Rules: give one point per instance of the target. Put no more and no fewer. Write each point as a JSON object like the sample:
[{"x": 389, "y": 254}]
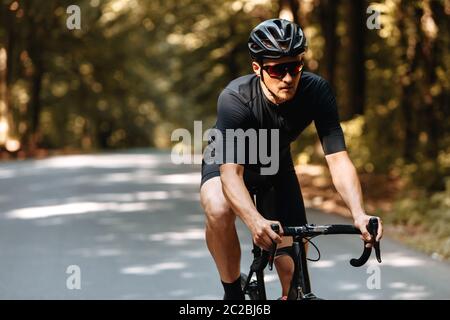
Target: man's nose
[{"x": 288, "y": 78}]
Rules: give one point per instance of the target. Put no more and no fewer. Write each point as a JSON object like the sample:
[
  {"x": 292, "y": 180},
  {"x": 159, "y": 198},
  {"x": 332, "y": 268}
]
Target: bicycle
[{"x": 300, "y": 287}]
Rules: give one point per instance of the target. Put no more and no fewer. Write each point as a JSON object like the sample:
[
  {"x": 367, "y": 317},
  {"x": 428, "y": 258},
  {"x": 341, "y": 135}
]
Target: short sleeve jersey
[{"x": 243, "y": 105}]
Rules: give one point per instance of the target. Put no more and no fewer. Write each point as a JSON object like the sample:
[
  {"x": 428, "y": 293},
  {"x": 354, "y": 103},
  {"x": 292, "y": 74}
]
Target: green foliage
[
  {"x": 137, "y": 70},
  {"x": 430, "y": 213},
  {"x": 131, "y": 75}
]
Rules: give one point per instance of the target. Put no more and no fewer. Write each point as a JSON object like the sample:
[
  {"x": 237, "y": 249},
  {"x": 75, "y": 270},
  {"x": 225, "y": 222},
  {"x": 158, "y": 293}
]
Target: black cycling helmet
[{"x": 276, "y": 38}]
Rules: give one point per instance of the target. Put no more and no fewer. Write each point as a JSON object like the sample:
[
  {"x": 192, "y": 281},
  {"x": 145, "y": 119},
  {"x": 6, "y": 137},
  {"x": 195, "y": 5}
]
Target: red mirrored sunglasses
[{"x": 279, "y": 71}]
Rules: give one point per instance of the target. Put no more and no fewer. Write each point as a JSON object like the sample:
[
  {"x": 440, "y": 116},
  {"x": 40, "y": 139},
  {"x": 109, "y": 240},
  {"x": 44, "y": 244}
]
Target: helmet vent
[
  {"x": 288, "y": 31},
  {"x": 284, "y": 44},
  {"x": 275, "y": 33},
  {"x": 267, "y": 43},
  {"x": 278, "y": 23}
]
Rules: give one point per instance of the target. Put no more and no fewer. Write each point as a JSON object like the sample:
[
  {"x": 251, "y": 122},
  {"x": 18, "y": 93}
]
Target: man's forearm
[
  {"x": 349, "y": 188},
  {"x": 239, "y": 198},
  {"x": 346, "y": 181}
]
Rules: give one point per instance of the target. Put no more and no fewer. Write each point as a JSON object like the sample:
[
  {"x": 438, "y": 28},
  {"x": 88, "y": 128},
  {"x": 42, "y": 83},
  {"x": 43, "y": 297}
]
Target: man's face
[{"x": 284, "y": 88}]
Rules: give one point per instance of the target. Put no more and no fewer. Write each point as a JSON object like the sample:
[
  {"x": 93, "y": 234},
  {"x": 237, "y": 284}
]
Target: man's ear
[{"x": 256, "y": 68}]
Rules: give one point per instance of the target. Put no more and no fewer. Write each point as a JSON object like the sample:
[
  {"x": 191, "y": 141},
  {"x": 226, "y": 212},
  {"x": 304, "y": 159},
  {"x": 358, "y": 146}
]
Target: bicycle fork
[
  {"x": 300, "y": 284},
  {"x": 256, "y": 290}
]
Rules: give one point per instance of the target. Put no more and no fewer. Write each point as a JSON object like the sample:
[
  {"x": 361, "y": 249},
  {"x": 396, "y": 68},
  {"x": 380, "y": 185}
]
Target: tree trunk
[
  {"x": 432, "y": 51},
  {"x": 231, "y": 58},
  {"x": 4, "y": 129},
  {"x": 35, "y": 50},
  {"x": 6, "y": 70},
  {"x": 434, "y": 124},
  {"x": 288, "y": 9},
  {"x": 410, "y": 56},
  {"x": 357, "y": 75},
  {"x": 35, "y": 105},
  {"x": 328, "y": 15}
]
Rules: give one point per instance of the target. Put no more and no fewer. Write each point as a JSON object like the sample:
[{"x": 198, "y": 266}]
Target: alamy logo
[
  {"x": 74, "y": 280},
  {"x": 240, "y": 146},
  {"x": 373, "y": 21},
  {"x": 74, "y": 19},
  {"x": 374, "y": 280}
]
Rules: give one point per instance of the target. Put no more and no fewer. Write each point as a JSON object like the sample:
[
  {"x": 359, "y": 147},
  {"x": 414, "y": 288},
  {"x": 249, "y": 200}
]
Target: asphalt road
[{"x": 132, "y": 226}]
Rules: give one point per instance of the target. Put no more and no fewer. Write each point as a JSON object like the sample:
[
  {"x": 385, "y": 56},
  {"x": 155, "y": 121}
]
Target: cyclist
[{"x": 278, "y": 95}]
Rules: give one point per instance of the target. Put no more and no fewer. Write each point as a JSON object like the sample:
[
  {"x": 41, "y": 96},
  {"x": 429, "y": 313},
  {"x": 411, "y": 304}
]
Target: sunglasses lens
[
  {"x": 297, "y": 68},
  {"x": 280, "y": 70},
  {"x": 276, "y": 71}
]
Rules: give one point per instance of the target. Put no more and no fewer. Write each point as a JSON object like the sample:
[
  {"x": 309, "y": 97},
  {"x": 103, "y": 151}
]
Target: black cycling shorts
[{"x": 278, "y": 198}]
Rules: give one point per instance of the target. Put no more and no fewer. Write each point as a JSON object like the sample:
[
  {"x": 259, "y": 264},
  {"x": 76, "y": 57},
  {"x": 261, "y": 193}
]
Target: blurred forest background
[{"x": 138, "y": 69}]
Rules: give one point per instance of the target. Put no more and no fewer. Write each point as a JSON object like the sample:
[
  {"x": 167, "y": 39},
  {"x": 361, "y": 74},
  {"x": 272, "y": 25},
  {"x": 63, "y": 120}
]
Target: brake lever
[
  {"x": 372, "y": 227},
  {"x": 273, "y": 249}
]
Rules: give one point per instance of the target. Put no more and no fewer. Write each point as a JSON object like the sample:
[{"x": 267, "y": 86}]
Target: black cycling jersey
[{"x": 243, "y": 105}]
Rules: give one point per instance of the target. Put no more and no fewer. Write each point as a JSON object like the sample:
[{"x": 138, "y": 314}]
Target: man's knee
[
  {"x": 217, "y": 210},
  {"x": 220, "y": 218},
  {"x": 218, "y": 214}
]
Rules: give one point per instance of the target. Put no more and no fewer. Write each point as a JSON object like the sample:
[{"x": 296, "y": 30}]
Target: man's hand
[
  {"x": 262, "y": 233},
  {"x": 361, "y": 222}
]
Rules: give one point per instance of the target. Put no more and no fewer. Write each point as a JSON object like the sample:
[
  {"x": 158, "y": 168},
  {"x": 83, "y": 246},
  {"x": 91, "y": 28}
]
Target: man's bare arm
[{"x": 347, "y": 183}]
